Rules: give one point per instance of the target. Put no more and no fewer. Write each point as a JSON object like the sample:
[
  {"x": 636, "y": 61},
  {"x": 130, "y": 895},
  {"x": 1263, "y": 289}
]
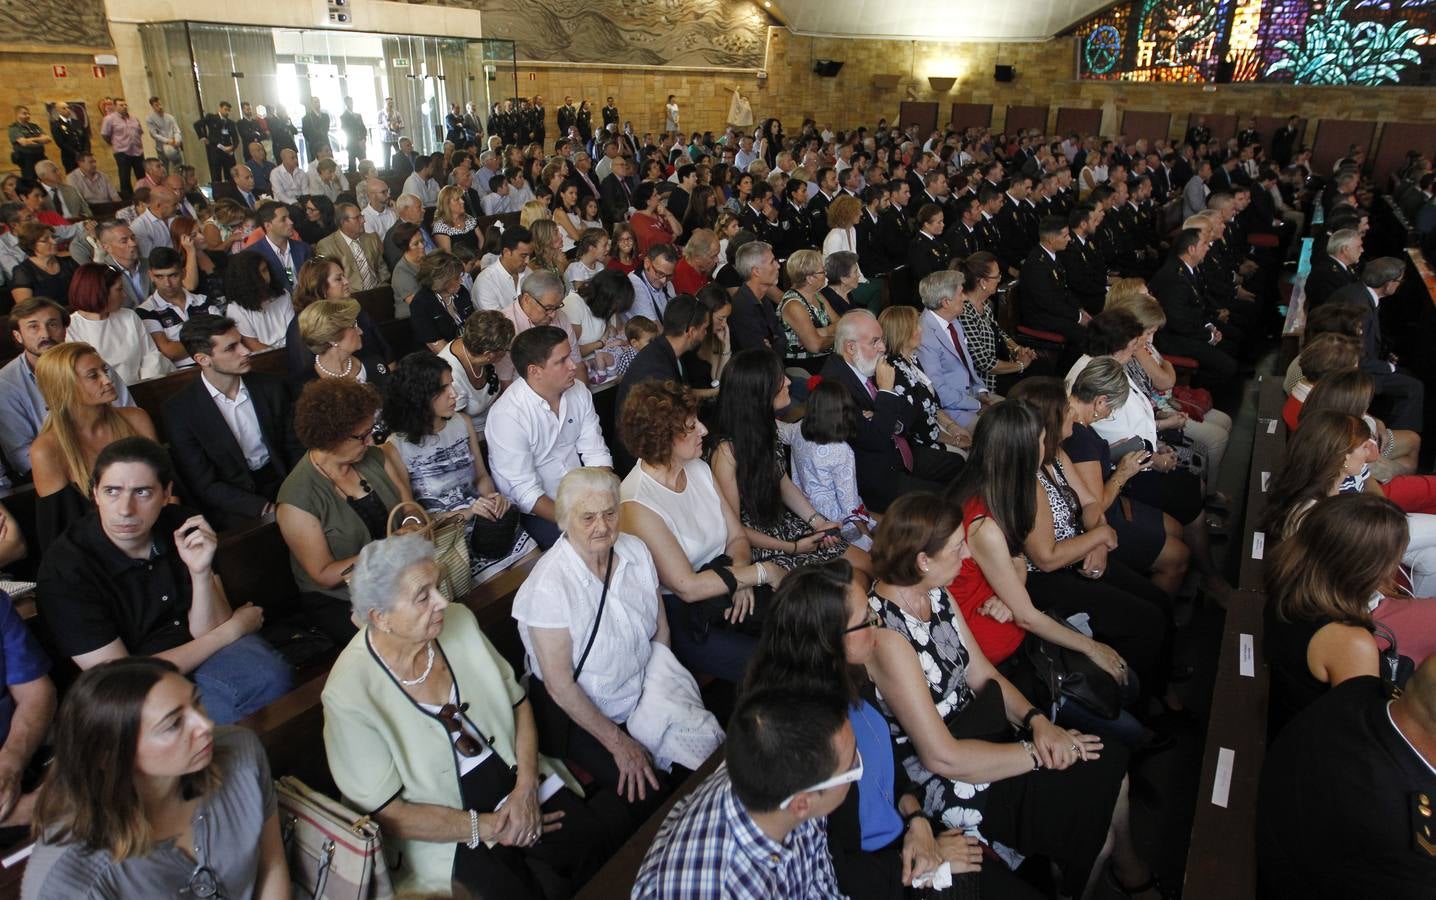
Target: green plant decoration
[{"x": 1335, "y": 51}]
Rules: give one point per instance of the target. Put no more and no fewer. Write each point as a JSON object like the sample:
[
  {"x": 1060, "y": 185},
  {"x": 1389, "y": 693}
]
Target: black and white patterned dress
[
  {"x": 1066, "y": 509},
  {"x": 911, "y": 383},
  {"x": 944, "y": 659}
]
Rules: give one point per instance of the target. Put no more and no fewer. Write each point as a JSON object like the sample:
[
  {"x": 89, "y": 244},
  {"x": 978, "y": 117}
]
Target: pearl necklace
[
  {"x": 421, "y": 679},
  {"x": 348, "y": 367}
]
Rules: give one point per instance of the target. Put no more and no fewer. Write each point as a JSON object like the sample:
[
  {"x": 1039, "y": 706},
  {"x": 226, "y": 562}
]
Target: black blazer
[
  {"x": 1086, "y": 273},
  {"x": 875, "y": 453},
  {"x": 1357, "y": 294},
  {"x": 754, "y": 323},
  {"x": 208, "y": 457},
  {"x": 1047, "y": 303},
  {"x": 614, "y": 199},
  {"x": 1327, "y": 276},
  {"x": 1180, "y": 294},
  {"x": 430, "y": 322}
]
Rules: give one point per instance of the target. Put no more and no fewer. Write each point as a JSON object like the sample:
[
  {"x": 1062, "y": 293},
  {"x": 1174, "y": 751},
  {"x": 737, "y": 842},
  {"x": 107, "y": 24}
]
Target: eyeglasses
[
  {"x": 203, "y": 882},
  {"x": 453, "y": 718},
  {"x": 872, "y": 621},
  {"x": 545, "y": 308},
  {"x": 849, "y": 777}
]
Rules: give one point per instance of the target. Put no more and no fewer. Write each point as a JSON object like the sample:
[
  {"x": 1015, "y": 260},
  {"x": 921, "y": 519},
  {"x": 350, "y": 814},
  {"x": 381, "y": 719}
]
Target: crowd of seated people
[{"x": 831, "y": 490}]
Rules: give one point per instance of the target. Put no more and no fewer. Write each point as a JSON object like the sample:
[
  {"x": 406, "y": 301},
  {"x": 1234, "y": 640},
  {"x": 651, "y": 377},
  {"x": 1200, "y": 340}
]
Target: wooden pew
[
  {"x": 378, "y": 303},
  {"x": 1221, "y": 857}
]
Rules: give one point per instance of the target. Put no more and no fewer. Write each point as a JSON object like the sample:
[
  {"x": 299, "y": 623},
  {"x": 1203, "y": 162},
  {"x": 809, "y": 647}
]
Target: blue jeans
[
  {"x": 241, "y": 678},
  {"x": 544, "y": 532}
]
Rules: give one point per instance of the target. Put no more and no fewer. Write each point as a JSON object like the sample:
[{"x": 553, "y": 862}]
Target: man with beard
[
  {"x": 888, "y": 464},
  {"x": 37, "y": 324}
]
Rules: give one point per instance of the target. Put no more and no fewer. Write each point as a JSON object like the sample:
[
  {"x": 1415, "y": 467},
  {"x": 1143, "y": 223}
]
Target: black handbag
[
  {"x": 1072, "y": 675},
  {"x": 1395, "y": 669}
]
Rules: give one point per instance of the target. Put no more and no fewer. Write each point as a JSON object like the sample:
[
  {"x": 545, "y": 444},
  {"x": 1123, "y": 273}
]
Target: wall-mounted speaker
[
  {"x": 827, "y": 68},
  {"x": 1004, "y": 73}
]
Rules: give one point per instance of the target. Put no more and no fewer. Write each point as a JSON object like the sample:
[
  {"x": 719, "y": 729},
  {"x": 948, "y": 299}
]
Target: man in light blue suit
[{"x": 943, "y": 353}]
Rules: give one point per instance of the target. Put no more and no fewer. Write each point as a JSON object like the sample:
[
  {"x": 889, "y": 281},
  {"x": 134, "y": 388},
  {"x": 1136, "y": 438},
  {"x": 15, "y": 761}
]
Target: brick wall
[
  {"x": 1044, "y": 77},
  {"x": 29, "y": 79}
]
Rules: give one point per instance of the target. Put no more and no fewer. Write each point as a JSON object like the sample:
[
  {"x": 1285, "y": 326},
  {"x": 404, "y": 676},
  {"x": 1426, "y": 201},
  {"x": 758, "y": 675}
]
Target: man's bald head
[{"x": 163, "y": 202}]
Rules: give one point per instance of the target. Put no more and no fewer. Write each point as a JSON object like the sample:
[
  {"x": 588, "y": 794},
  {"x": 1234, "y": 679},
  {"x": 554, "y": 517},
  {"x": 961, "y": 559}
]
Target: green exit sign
[{"x": 400, "y": 62}]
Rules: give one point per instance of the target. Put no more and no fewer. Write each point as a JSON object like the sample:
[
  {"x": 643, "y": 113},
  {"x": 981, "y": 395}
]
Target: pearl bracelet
[{"x": 474, "y": 841}]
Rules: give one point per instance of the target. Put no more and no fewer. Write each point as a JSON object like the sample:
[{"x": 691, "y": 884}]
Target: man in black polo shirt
[
  {"x": 1348, "y": 796},
  {"x": 134, "y": 577},
  {"x": 685, "y": 325}
]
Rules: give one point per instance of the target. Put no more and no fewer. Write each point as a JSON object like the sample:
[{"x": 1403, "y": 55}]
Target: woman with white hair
[
  {"x": 597, "y": 643},
  {"x": 428, "y": 732}
]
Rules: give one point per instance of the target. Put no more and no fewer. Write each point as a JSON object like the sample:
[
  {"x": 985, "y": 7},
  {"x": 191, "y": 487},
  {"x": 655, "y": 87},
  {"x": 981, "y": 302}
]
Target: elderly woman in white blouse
[{"x": 596, "y": 641}]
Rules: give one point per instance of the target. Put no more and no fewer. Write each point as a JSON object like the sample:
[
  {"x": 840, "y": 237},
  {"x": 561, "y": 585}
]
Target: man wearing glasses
[
  {"x": 653, "y": 286},
  {"x": 540, "y": 302},
  {"x": 756, "y": 827}
]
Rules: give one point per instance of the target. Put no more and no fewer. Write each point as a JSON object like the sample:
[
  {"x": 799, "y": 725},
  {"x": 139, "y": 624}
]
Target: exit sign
[
  {"x": 400, "y": 62},
  {"x": 60, "y": 71}
]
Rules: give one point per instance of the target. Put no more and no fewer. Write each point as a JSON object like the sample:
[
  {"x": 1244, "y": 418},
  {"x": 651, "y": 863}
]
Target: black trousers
[
  {"x": 1127, "y": 612},
  {"x": 556, "y": 867},
  {"x": 128, "y": 164},
  {"x": 1400, "y": 398},
  {"x": 1217, "y": 365}
]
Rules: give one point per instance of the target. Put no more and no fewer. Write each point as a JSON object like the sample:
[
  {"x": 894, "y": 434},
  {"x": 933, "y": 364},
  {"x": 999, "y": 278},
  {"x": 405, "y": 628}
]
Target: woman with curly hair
[
  {"x": 261, "y": 309},
  {"x": 338, "y": 497},
  {"x": 704, "y": 561},
  {"x": 437, "y": 445},
  {"x": 751, "y": 470}
]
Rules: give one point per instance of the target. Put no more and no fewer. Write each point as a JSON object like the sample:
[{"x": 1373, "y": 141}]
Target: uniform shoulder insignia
[{"x": 1423, "y": 825}]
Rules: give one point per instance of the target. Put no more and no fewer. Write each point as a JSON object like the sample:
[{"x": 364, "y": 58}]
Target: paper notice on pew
[
  {"x": 1265, "y": 480},
  {"x": 1246, "y": 657},
  {"x": 1258, "y": 544},
  {"x": 1271, "y": 426},
  {"x": 1222, "y": 782}
]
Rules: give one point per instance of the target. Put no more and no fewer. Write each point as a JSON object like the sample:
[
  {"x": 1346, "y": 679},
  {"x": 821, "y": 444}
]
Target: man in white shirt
[
  {"x": 287, "y": 182},
  {"x": 542, "y": 427},
  {"x": 152, "y": 228},
  {"x": 170, "y": 306},
  {"x": 489, "y": 163},
  {"x": 378, "y": 217},
  {"x": 498, "y": 285},
  {"x": 421, "y": 183},
  {"x": 745, "y": 155},
  {"x": 165, "y": 132},
  {"x": 519, "y": 190}
]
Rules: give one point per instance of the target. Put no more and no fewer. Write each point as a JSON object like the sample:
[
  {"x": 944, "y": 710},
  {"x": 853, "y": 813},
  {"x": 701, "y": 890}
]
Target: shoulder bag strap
[{"x": 602, "y": 599}]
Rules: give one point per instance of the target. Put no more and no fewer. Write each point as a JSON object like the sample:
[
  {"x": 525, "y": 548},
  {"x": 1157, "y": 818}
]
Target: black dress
[
  {"x": 55, "y": 287},
  {"x": 1061, "y": 815},
  {"x": 1140, "y": 533},
  {"x": 1293, "y": 687}
]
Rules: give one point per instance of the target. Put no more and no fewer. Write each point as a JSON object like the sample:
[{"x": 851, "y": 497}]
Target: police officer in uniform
[
  {"x": 895, "y": 228},
  {"x": 927, "y": 252},
  {"x": 1347, "y": 804},
  {"x": 759, "y": 216}
]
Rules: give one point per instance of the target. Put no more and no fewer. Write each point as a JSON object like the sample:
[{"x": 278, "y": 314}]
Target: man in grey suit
[
  {"x": 943, "y": 352},
  {"x": 1194, "y": 194}
]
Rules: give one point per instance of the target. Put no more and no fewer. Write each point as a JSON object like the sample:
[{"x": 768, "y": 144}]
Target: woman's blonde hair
[
  {"x": 545, "y": 233},
  {"x": 1130, "y": 295},
  {"x": 441, "y": 212},
  {"x": 323, "y": 322},
  {"x": 899, "y": 323},
  {"x": 534, "y": 211},
  {"x": 802, "y": 264},
  {"x": 59, "y": 383}
]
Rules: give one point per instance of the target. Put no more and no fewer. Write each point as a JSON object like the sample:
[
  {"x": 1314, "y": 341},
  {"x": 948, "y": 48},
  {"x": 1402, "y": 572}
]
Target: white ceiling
[{"x": 936, "y": 20}]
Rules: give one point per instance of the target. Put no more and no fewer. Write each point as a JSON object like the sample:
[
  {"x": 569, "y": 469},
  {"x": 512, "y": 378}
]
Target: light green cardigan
[{"x": 382, "y": 746}]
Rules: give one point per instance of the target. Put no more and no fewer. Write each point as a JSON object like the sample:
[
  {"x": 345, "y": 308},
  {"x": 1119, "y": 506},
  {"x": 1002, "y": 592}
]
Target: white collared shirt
[
  {"x": 531, "y": 448},
  {"x": 243, "y": 423},
  {"x": 495, "y": 288},
  {"x": 379, "y": 223},
  {"x": 286, "y": 185}
]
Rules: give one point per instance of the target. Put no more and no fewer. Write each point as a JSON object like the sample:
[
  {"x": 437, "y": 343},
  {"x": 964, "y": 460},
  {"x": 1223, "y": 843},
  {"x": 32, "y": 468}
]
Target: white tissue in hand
[{"x": 938, "y": 879}]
